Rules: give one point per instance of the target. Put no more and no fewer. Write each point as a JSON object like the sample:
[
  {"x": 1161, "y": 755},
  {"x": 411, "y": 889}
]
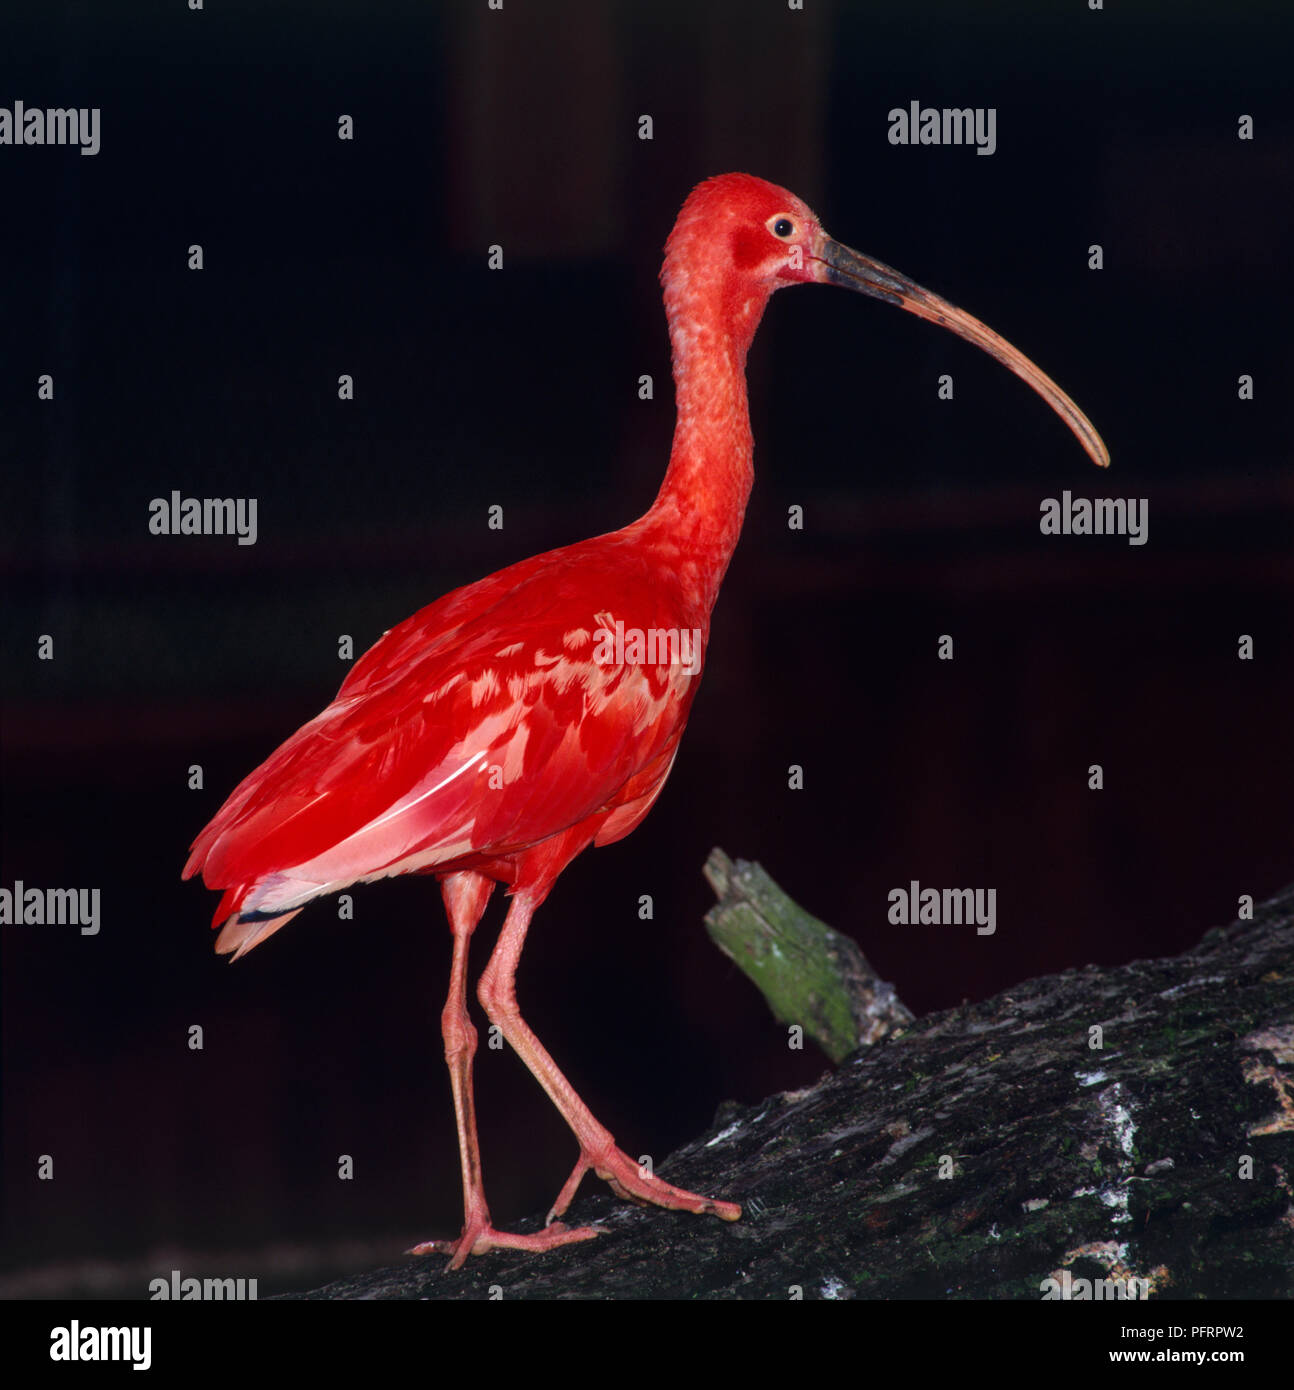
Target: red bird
[{"x": 496, "y": 734}]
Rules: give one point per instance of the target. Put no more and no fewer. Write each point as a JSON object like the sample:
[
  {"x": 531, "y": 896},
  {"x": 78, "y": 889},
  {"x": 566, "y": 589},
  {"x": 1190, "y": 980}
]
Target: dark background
[{"x": 519, "y": 388}]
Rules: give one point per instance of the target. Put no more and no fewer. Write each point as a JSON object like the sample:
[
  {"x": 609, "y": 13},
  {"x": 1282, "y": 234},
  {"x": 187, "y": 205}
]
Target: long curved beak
[{"x": 852, "y": 271}]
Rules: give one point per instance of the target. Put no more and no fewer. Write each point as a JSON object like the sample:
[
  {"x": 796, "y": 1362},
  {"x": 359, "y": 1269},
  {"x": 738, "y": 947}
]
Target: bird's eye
[{"x": 781, "y": 227}]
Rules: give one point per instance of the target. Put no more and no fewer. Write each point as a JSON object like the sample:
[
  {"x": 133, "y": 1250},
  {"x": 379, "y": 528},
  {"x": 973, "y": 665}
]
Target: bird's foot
[
  {"x": 636, "y": 1183},
  {"x": 480, "y": 1236}
]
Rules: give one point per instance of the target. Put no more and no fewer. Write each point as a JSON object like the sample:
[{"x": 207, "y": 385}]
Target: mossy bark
[{"x": 982, "y": 1151}]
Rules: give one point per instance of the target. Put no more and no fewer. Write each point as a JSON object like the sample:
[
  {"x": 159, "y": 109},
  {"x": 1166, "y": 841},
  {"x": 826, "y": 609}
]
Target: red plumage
[
  {"x": 501, "y": 671},
  {"x": 493, "y": 736}
]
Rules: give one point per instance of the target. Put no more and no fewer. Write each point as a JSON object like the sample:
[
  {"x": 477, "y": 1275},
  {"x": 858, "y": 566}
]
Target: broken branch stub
[{"x": 808, "y": 973}]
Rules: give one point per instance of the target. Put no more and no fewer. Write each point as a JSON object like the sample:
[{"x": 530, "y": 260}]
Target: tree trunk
[{"x": 1135, "y": 1123}]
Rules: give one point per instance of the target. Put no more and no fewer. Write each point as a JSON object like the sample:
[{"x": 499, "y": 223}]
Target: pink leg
[
  {"x": 466, "y": 895},
  {"x": 598, "y": 1151}
]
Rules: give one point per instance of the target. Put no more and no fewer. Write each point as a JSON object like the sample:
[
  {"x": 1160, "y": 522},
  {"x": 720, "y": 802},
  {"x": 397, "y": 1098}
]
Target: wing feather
[{"x": 480, "y": 726}]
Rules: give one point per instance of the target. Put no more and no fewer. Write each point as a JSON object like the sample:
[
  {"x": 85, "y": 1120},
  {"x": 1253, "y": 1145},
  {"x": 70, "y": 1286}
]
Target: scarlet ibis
[{"x": 497, "y": 733}]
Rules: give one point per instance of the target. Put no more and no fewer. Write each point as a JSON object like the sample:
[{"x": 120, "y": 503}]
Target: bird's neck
[{"x": 696, "y": 518}]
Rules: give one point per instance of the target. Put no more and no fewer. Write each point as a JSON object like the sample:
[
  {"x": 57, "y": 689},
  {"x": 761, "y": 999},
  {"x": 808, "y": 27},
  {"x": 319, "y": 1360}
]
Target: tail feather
[{"x": 240, "y": 934}]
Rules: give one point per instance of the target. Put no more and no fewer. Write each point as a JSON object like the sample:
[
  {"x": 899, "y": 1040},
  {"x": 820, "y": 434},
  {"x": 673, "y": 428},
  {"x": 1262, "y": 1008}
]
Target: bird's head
[{"x": 739, "y": 238}]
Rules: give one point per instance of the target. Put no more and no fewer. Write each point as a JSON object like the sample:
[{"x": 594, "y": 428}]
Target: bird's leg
[
  {"x": 466, "y": 895},
  {"x": 465, "y": 898},
  {"x": 598, "y": 1151}
]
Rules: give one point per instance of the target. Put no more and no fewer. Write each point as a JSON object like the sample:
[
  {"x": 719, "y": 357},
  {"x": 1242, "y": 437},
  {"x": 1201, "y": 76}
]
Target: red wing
[
  {"x": 339, "y": 769},
  {"x": 491, "y": 735}
]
